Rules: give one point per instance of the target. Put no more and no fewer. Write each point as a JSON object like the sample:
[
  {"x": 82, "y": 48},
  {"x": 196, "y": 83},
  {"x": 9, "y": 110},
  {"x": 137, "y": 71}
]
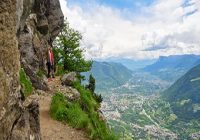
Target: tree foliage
[
  {"x": 68, "y": 52},
  {"x": 91, "y": 86}
]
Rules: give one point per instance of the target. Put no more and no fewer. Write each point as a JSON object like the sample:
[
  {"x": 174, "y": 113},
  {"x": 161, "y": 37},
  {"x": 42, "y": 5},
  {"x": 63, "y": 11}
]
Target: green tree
[
  {"x": 91, "y": 85},
  {"x": 68, "y": 51}
]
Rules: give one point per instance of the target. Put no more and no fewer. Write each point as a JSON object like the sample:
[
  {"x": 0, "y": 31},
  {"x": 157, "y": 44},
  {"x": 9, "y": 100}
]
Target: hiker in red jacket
[{"x": 50, "y": 63}]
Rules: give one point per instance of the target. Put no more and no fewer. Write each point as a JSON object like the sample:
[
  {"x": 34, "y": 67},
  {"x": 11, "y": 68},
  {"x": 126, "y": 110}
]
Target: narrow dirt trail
[{"x": 52, "y": 129}]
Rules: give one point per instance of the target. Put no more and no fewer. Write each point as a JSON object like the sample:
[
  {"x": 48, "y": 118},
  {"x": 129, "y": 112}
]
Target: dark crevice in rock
[
  {"x": 22, "y": 95},
  {"x": 13, "y": 125}
]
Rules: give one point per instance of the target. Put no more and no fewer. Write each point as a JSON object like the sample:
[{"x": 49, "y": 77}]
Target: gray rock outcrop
[
  {"x": 71, "y": 94},
  {"x": 69, "y": 79},
  {"x": 27, "y": 27}
]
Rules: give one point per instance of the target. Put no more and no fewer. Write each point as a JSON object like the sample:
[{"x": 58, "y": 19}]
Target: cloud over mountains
[{"x": 160, "y": 28}]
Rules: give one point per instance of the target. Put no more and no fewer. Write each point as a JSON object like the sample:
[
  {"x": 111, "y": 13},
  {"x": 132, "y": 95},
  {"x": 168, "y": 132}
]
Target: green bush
[
  {"x": 87, "y": 101},
  {"x": 98, "y": 97},
  {"x": 62, "y": 110},
  {"x": 76, "y": 117},
  {"x": 26, "y": 84},
  {"x": 58, "y": 107}
]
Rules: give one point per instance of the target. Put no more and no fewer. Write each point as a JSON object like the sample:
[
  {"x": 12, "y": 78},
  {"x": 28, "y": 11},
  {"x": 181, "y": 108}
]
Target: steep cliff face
[
  {"x": 40, "y": 29},
  {"x": 9, "y": 68},
  {"x": 29, "y": 26}
]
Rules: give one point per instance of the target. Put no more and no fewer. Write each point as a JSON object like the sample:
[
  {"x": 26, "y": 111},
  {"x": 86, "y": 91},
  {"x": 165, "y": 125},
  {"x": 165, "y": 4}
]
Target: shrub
[
  {"x": 76, "y": 117},
  {"x": 58, "y": 107},
  {"x": 87, "y": 100},
  {"x": 98, "y": 97},
  {"x": 63, "y": 110}
]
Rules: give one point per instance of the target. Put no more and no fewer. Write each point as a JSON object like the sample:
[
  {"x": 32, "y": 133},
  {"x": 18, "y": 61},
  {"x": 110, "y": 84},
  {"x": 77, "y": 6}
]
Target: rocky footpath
[
  {"x": 52, "y": 129},
  {"x": 27, "y": 28}
]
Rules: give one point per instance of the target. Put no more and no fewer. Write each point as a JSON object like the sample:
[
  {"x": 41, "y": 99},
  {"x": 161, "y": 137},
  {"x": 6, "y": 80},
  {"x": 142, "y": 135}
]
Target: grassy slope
[
  {"x": 184, "y": 93},
  {"x": 81, "y": 114}
]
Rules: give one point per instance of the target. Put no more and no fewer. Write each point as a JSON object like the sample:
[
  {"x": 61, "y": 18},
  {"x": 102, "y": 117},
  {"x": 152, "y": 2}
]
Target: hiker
[{"x": 50, "y": 63}]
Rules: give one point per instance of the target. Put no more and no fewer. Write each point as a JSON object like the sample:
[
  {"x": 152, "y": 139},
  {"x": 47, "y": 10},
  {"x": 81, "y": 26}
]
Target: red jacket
[{"x": 50, "y": 57}]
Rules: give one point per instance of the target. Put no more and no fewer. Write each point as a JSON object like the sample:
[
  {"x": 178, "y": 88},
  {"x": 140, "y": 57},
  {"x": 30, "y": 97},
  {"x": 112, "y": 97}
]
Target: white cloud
[{"x": 166, "y": 25}]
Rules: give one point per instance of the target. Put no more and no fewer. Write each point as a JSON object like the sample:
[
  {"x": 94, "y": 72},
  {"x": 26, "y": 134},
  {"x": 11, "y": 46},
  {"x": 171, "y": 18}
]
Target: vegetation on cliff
[
  {"x": 26, "y": 84},
  {"x": 68, "y": 53},
  {"x": 82, "y": 113}
]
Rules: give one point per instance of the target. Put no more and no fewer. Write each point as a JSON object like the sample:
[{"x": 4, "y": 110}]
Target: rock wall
[
  {"x": 29, "y": 26},
  {"x": 40, "y": 29},
  {"x": 9, "y": 68}
]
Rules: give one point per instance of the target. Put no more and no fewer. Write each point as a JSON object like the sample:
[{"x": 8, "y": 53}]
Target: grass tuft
[{"x": 26, "y": 84}]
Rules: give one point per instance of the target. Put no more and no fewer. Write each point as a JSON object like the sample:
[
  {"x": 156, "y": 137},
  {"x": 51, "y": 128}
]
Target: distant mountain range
[
  {"x": 171, "y": 68},
  {"x": 116, "y": 72},
  {"x": 109, "y": 74},
  {"x": 184, "y": 95},
  {"x": 130, "y": 63}
]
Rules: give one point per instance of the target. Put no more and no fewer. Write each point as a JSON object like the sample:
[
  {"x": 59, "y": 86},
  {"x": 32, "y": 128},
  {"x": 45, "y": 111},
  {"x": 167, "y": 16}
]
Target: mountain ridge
[
  {"x": 184, "y": 94},
  {"x": 109, "y": 74},
  {"x": 172, "y": 67},
  {"x": 130, "y": 63},
  {"x": 174, "y": 61}
]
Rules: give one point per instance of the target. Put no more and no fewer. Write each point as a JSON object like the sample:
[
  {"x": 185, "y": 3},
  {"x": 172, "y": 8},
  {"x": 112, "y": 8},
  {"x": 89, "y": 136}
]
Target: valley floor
[{"x": 141, "y": 117}]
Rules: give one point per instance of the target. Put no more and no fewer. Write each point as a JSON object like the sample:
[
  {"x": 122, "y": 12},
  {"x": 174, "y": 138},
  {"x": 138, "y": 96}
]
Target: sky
[{"x": 136, "y": 29}]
